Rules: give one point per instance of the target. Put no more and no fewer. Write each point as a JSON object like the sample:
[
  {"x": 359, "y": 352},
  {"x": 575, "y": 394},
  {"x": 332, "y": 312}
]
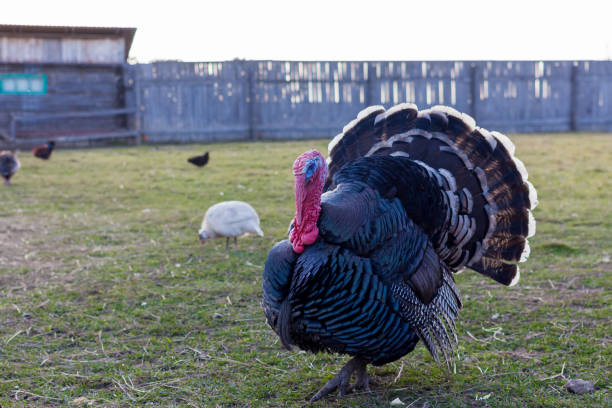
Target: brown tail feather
[{"x": 486, "y": 189}]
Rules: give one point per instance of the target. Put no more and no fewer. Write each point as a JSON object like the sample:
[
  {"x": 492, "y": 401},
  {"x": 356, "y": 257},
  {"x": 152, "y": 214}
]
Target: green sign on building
[{"x": 32, "y": 84}]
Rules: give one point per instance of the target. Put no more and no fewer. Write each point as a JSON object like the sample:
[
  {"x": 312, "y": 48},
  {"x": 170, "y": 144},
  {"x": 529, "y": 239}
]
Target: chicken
[
  {"x": 9, "y": 164},
  {"x": 229, "y": 219},
  {"x": 199, "y": 161},
  {"x": 44, "y": 151},
  {"x": 410, "y": 198}
]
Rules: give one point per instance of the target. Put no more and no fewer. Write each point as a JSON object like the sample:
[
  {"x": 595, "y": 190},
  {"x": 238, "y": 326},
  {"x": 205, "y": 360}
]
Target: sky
[{"x": 340, "y": 30}]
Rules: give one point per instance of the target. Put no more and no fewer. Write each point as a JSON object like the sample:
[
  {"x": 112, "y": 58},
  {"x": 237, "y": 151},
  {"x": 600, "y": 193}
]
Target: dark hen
[
  {"x": 44, "y": 151},
  {"x": 199, "y": 161},
  {"x": 409, "y": 199},
  {"x": 9, "y": 164}
]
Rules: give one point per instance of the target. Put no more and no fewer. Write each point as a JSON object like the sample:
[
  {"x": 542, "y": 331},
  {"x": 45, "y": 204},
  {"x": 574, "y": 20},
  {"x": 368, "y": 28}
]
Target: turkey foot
[
  {"x": 342, "y": 379},
  {"x": 363, "y": 380}
]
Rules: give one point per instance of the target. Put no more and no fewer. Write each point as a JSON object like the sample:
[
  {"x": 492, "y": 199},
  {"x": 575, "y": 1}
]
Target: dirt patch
[
  {"x": 16, "y": 244},
  {"x": 522, "y": 353},
  {"x": 29, "y": 254}
]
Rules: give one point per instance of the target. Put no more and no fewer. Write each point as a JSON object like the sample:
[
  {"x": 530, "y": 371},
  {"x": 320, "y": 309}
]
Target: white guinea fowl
[{"x": 229, "y": 219}]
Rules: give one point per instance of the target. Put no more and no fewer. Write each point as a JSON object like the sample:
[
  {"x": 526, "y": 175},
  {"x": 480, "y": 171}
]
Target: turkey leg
[
  {"x": 342, "y": 379},
  {"x": 363, "y": 380}
]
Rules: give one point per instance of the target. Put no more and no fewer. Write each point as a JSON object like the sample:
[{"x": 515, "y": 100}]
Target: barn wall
[
  {"x": 70, "y": 88},
  {"x": 62, "y": 50},
  {"x": 181, "y": 101}
]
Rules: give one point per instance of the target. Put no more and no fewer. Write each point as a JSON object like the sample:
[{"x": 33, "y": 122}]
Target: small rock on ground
[{"x": 579, "y": 386}]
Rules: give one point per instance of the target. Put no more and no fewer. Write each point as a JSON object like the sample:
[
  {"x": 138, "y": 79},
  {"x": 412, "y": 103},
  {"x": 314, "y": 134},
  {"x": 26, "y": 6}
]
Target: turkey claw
[
  {"x": 342, "y": 379},
  {"x": 363, "y": 382},
  {"x": 340, "y": 382}
]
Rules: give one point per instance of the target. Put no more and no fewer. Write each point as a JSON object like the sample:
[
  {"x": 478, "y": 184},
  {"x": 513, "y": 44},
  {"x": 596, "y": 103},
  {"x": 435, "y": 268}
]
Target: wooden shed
[{"x": 71, "y": 84}]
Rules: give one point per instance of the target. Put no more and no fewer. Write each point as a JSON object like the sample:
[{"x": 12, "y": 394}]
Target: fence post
[
  {"x": 473, "y": 89},
  {"x": 573, "y": 98},
  {"x": 369, "y": 82},
  {"x": 128, "y": 99},
  {"x": 137, "y": 102},
  {"x": 250, "y": 70}
]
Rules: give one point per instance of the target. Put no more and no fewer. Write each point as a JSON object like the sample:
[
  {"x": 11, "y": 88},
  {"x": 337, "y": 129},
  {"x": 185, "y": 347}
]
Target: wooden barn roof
[{"x": 71, "y": 31}]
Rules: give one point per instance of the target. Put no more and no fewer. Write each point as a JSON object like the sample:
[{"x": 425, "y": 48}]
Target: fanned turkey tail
[{"x": 487, "y": 197}]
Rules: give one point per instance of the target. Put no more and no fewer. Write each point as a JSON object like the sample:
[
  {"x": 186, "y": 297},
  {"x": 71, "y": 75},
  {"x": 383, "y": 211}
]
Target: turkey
[
  {"x": 406, "y": 199},
  {"x": 44, "y": 151},
  {"x": 9, "y": 164},
  {"x": 229, "y": 219},
  {"x": 199, "y": 161}
]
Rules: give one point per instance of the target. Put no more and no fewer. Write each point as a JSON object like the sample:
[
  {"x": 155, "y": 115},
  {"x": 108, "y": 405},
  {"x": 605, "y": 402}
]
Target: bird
[
  {"x": 9, "y": 164},
  {"x": 229, "y": 219},
  {"x": 405, "y": 200},
  {"x": 44, "y": 151},
  {"x": 199, "y": 161}
]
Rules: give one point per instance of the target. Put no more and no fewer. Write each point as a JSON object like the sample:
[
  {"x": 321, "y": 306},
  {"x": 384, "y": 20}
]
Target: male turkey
[{"x": 409, "y": 199}]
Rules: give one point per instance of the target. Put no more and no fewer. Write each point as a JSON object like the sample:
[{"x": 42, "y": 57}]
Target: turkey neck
[
  {"x": 307, "y": 209},
  {"x": 308, "y": 204}
]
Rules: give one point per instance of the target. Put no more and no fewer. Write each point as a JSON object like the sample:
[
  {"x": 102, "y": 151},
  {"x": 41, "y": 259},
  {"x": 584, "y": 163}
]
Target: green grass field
[{"x": 108, "y": 299}]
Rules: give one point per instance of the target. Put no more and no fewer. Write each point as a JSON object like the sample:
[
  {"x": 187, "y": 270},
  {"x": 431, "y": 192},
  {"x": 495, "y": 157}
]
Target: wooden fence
[{"x": 205, "y": 101}]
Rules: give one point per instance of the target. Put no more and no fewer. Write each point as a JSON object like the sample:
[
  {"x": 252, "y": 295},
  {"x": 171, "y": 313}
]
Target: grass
[{"x": 108, "y": 299}]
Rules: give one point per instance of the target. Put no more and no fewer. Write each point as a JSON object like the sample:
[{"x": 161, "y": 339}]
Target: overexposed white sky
[{"x": 340, "y": 29}]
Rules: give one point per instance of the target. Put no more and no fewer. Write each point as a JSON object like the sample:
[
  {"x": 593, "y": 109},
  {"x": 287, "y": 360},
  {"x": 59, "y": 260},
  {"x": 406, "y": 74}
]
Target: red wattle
[{"x": 307, "y": 201}]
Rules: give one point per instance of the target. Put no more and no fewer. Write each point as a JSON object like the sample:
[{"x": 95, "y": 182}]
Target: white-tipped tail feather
[
  {"x": 392, "y": 110},
  {"x": 505, "y": 141},
  {"x": 349, "y": 126},
  {"x": 533, "y": 195},
  {"x": 531, "y": 229},
  {"x": 333, "y": 143},
  {"x": 486, "y": 191},
  {"x": 526, "y": 252},
  {"x": 516, "y": 278},
  {"x": 489, "y": 138},
  {"x": 520, "y": 166},
  {"x": 368, "y": 111}
]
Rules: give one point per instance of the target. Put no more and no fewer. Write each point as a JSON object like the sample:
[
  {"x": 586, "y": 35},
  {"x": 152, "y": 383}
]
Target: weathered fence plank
[
  {"x": 175, "y": 101},
  {"x": 180, "y": 101}
]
